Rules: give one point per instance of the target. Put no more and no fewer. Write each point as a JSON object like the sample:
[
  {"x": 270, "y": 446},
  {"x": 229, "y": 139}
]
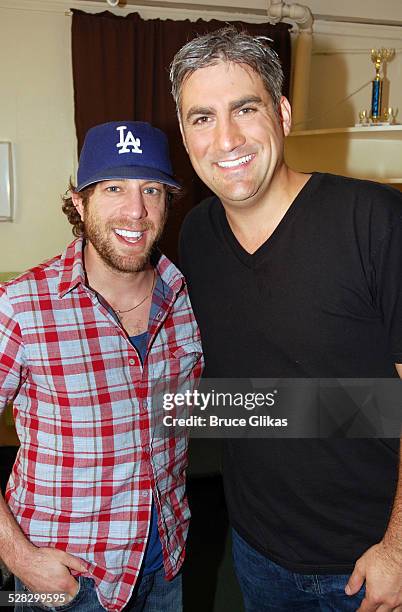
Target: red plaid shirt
[{"x": 90, "y": 463}]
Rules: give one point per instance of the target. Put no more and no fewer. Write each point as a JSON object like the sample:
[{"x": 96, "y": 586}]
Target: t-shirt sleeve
[{"x": 387, "y": 264}]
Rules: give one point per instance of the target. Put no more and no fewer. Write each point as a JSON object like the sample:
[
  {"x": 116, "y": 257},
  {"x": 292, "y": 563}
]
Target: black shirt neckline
[{"x": 251, "y": 260}]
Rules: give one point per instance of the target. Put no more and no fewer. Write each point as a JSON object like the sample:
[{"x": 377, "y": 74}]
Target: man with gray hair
[{"x": 292, "y": 275}]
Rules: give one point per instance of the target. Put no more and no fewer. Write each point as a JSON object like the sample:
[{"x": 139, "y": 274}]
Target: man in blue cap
[{"x": 96, "y": 514}]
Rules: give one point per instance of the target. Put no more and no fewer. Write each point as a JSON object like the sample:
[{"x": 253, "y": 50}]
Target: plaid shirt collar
[{"x": 72, "y": 269}]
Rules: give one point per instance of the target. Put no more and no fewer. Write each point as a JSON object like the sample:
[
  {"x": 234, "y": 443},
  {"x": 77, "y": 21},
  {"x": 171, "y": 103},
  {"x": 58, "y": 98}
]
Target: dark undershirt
[{"x": 153, "y": 557}]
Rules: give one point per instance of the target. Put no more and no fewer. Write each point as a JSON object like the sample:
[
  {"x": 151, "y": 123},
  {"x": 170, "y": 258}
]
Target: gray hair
[{"x": 228, "y": 45}]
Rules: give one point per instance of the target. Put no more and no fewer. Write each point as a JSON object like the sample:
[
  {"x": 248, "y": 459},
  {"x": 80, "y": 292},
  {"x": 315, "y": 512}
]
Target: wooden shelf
[
  {"x": 387, "y": 181},
  {"x": 381, "y": 131},
  {"x": 372, "y": 152}
]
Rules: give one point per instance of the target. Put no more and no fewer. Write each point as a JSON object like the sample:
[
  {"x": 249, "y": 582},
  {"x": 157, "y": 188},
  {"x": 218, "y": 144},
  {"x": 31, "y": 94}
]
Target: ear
[
  {"x": 285, "y": 111},
  {"x": 77, "y": 201}
]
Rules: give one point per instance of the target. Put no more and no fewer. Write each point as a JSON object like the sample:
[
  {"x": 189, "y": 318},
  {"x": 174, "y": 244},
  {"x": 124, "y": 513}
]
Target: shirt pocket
[
  {"x": 185, "y": 356},
  {"x": 171, "y": 367},
  {"x": 170, "y": 375}
]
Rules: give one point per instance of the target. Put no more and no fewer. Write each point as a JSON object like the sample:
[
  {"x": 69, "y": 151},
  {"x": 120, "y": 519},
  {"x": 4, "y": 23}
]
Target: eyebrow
[
  {"x": 235, "y": 105},
  {"x": 199, "y": 110}
]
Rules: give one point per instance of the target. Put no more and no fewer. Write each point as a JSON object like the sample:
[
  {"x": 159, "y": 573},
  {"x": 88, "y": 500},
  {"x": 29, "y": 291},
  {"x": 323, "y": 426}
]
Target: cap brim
[{"x": 130, "y": 172}]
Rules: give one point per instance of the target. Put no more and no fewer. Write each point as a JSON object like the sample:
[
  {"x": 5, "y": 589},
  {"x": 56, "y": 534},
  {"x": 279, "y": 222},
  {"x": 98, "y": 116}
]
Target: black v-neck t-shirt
[{"x": 321, "y": 298}]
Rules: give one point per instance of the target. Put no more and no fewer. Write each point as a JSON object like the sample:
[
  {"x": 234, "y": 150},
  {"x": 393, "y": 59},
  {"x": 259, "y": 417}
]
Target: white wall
[
  {"x": 341, "y": 64},
  {"x": 361, "y": 9},
  {"x": 36, "y": 101},
  {"x": 36, "y": 115}
]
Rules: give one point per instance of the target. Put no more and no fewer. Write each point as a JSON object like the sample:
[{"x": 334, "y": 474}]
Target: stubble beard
[{"x": 101, "y": 239}]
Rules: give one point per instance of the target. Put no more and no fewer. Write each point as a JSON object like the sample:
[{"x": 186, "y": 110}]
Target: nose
[
  {"x": 134, "y": 205},
  {"x": 228, "y": 135}
]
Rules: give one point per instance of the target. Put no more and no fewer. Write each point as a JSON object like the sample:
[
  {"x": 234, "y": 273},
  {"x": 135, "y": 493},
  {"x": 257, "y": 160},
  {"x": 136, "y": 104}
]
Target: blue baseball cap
[{"x": 125, "y": 150}]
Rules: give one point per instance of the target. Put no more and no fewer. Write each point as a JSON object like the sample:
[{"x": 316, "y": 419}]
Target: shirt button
[
  {"x": 147, "y": 448},
  {"x": 131, "y": 361},
  {"x": 158, "y": 316},
  {"x": 144, "y": 493}
]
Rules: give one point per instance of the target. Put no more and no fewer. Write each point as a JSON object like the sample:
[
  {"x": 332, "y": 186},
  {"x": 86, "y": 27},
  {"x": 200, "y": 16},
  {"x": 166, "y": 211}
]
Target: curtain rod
[
  {"x": 279, "y": 11},
  {"x": 191, "y": 7},
  {"x": 251, "y": 11}
]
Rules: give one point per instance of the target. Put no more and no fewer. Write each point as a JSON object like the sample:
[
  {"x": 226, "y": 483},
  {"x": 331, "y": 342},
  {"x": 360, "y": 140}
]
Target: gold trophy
[{"x": 379, "y": 57}]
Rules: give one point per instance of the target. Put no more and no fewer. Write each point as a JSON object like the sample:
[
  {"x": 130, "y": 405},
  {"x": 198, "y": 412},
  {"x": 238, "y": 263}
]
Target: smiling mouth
[
  {"x": 240, "y": 161},
  {"x": 128, "y": 235}
]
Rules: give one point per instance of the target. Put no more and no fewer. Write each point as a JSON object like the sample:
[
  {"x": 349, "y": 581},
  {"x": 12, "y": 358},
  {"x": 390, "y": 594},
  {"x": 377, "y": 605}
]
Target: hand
[
  {"x": 381, "y": 568},
  {"x": 47, "y": 570}
]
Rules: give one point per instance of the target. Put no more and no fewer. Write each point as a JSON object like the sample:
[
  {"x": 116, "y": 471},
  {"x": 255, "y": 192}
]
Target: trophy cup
[
  {"x": 379, "y": 57},
  {"x": 364, "y": 119}
]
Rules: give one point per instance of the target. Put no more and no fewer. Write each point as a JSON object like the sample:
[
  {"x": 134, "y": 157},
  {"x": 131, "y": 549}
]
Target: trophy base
[{"x": 372, "y": 124}]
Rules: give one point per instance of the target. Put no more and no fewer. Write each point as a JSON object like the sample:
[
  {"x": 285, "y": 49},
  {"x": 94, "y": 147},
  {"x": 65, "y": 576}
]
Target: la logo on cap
[{"x": 128, "y": 144}]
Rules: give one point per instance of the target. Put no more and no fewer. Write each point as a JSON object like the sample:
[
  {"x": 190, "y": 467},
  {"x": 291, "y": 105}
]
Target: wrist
[
  {"x": 393, "y": 548},
  {"x": 19, "y": 556}
]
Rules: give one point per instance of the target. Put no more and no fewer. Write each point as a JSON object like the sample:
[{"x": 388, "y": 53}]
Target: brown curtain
[{"x": 121, "y": 71}]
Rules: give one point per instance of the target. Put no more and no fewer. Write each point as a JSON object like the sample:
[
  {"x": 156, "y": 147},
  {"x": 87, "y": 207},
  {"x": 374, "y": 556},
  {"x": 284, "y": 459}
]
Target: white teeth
[
  {"x": 235, "y": 162},
  {"x": 128, "y": 234}
]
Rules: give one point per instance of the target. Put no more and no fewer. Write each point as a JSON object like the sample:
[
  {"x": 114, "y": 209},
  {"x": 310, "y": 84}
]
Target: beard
[{"x": 101, "y": 237}]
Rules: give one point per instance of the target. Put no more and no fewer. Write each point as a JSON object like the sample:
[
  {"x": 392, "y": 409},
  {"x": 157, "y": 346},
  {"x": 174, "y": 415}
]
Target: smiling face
[
  {"x": 123, "y": 220},
  {"x": 232, "y": 132}
]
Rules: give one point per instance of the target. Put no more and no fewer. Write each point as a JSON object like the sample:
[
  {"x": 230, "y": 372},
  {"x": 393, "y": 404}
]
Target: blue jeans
[
  {"x": 267, "y": 586},
  {"x": 152, "y": 594}
]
